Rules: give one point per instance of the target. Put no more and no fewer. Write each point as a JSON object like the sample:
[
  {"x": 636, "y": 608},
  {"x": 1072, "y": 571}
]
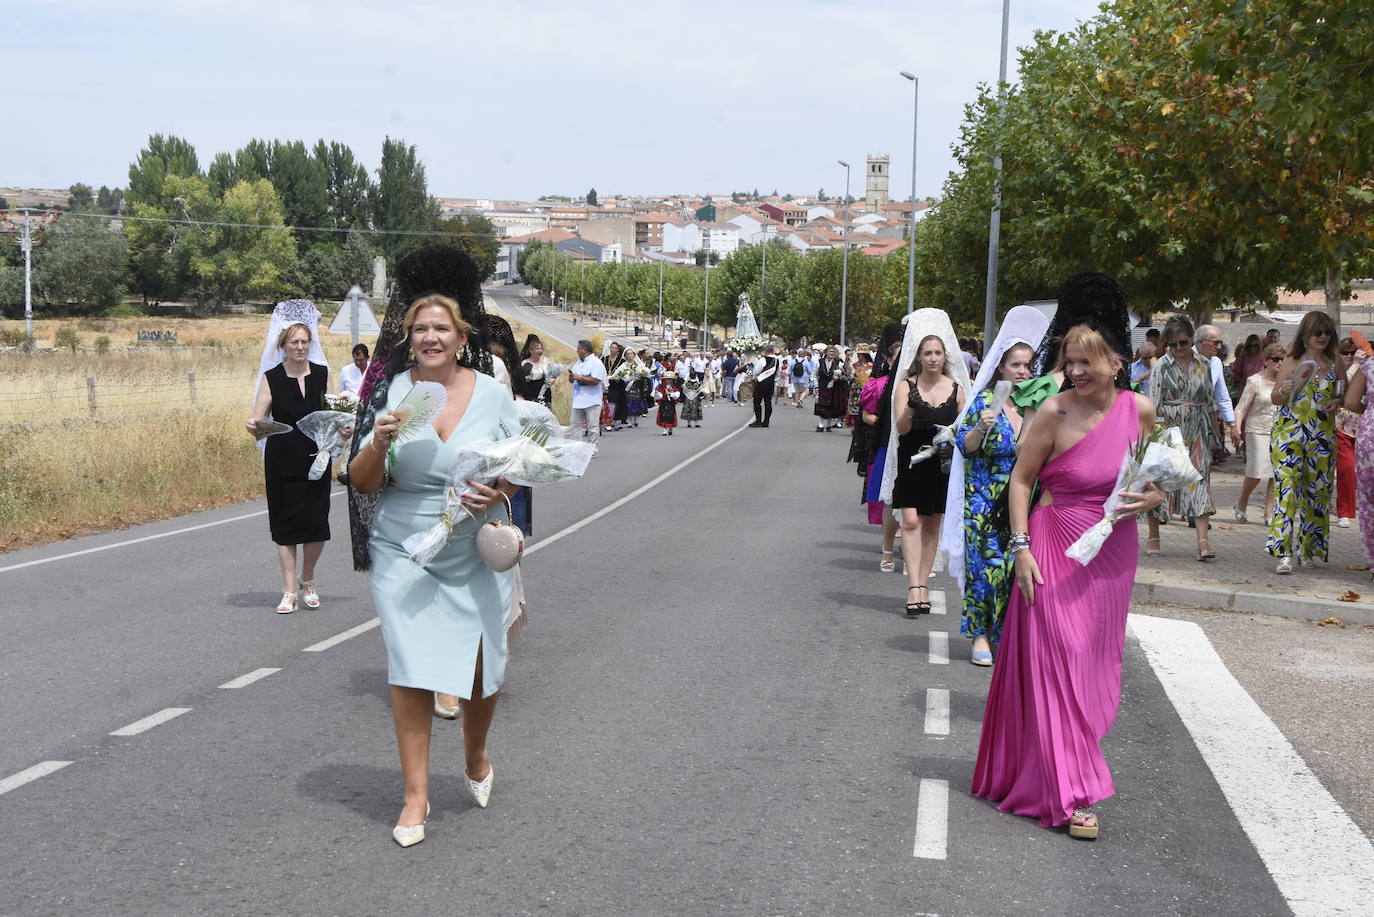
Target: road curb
[{"x": 1302, "y": 607}]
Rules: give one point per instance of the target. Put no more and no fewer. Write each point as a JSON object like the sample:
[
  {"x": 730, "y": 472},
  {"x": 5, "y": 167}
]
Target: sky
[{"x": 519, "y": 98}]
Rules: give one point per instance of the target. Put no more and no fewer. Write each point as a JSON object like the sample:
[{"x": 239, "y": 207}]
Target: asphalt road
[{"x": 718, "y": 708}]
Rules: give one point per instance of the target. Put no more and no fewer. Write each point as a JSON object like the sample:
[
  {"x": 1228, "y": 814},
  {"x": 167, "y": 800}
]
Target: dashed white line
[
  {"x": 937, "y": 602},
  {"x": 939, "y": 648},
  {"x": 346, "y": 635},
  {"x": 932, "y": 820},
  {"x": 148, "y": 722},
  {"x": 244, "y": 681},
  {"x": 937, "y": 712},
  {"x": 30, "y": 774},
  {"x": 1320, "y": 860}
]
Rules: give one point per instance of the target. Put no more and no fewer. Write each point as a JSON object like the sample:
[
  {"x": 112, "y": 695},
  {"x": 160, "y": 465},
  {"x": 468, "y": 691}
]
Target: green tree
[
  {"x": 82, "y": 261},
  {"x": 4, "y": 204},
  {"x": 163, "y": 156},
  {"x": 80, "y": 197},
  {"x": 473, "y": 234},
  {"x": 400, "y": 199},
  {"x": 107, "y": 201},
  {"x": 347, "y": 185},
  {"x": 591, "y": 198}
]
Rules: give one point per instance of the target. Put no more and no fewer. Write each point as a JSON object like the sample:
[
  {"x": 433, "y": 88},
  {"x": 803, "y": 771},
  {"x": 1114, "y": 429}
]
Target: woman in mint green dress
[{"x": 444, "y": 623}]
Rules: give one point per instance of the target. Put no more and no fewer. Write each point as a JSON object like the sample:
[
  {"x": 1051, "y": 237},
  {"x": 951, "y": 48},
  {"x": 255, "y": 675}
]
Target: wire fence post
[
  {"x": 191, "y": 379},
  {"x": 90, "y": 393}
]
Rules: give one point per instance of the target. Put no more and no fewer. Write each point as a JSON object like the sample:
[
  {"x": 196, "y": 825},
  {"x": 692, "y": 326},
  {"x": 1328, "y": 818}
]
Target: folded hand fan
[{"x": 1301, "y": 376}]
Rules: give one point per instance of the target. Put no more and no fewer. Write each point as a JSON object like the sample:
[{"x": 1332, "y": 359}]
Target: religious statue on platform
[{"x": 745, "y": 324}]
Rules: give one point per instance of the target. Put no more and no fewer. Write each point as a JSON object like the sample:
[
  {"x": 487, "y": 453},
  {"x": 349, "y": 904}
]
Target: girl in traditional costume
[
  {"x": 977, "y": 529},
  {"x": 667, "y": 395}
]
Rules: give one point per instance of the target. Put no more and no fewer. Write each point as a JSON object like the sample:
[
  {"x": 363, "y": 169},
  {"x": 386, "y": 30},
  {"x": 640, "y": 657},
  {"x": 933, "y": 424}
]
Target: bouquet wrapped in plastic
[
  {"x": 1161, "y": 459},
  {"x": 331, "y": 431},
  {"x": 540, "y": 452},
  {"x": 942, "y": 445}
]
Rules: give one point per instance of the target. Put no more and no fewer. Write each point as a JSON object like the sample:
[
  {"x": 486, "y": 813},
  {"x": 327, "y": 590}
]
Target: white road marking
[
  {"x": 244, "y": 681},
  {"x": 932, "y": 820},
  {"x": 30, "y": 774},
  {"x": 132, "y": 541},
  {"x": 148, "y": 722},
  {"x": 937, "y": 602},
  {"x": 937, "y": 712},
  {"x": 939, "y": 648},
  {"x": 1320, "y": 860},
  {"x": 346, "y": 635},
  {"x": 607, "y": 510}
]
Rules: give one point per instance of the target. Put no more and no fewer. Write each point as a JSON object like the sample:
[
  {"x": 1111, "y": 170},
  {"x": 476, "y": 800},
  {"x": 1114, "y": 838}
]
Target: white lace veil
[
  {"x": 288, "y": 313},
  {"x": 920, "y": 324},
  {"x": 1022, "y": 325}
]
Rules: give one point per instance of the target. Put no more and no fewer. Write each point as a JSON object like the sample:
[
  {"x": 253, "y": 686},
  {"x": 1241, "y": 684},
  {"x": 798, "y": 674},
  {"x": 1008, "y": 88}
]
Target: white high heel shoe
[
  {"x": 481, "y": 789},
  {"x": 287, "y": 603},
  {"x": 445, "y": 711},
  {"x": 309, "y": 596},
  {"x": 410, "y": 835}
]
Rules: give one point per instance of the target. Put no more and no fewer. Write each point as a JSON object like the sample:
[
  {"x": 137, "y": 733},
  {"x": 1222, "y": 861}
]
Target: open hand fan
[
  {"x": 264, "y": 427},
  {"x": 422, "y": 404},
  {"x": 1362, "y": 344},
  {"x": 1301, "y": 376},
  {"x": 1000, "y": 393}
]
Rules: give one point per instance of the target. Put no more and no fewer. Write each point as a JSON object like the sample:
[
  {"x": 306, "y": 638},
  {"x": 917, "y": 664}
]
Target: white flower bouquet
[
  {"x": 343, "y": 401},
  {"x": 331, "y": 431},
  {"x": 1162, "y": 460},
  {"x": 944, "y": 436},
  {"x": 539, "y": 452},
  {"x": 749, "y": 343}
]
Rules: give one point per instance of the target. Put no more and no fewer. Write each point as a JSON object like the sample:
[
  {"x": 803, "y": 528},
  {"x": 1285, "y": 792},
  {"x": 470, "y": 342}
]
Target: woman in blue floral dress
[{"x": 987, "y": 439}]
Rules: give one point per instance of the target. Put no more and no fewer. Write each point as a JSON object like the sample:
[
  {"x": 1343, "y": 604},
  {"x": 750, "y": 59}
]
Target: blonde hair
[
  {"x": 287, "y": 332},
  {"x": 1275, "y": 350},
  {"x": 435, "y": 299},
  {"x": 1101, "y": 355}
]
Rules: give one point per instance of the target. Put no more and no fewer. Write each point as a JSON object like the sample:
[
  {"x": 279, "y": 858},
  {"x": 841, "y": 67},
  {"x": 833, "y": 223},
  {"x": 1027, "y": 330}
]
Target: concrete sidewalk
[{"x": 1242, "y": 576}]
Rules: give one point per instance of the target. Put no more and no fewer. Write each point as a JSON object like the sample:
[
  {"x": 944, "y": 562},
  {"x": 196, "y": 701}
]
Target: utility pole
[
  {"x": 995, "y": 221},
  {"x": 661, "y": 329},
  {"x": 911, "y": 238},
  {"x": 844, "y": 270},
  {"x": 763, "y": 277},
  {"x": 26, "y": 226}
]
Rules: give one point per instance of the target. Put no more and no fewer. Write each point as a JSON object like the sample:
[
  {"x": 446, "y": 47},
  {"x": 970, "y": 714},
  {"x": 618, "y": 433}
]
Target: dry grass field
[{"x": 148, "y": 451}]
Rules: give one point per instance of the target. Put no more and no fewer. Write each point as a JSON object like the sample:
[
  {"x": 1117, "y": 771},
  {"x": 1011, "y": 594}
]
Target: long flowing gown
[
  {"x": 1057, "y": 683},
  {"x": 987, "y": 558},
  {"x": 435, "y": 618},
  {"x": 1364, "y": 462},
  {"x": 1183, "y": 397}
]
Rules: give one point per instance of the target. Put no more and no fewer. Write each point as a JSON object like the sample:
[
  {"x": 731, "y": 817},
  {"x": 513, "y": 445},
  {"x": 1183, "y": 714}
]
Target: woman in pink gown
[{"x": 1057, "y": 682}]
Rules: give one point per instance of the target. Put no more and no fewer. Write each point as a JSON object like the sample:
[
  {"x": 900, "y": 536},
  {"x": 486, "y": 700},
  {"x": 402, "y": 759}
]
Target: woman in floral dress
[
  {"x": 1357, "y": 401},
  {"x": 988, "y": 441},
  {"x": 1302, "y": 447},
  {"x": 1181, "y": 387}
]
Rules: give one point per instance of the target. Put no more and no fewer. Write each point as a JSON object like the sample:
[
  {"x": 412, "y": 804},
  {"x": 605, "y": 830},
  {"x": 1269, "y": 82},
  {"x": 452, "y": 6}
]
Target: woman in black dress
[
  {"x": 531, "y": 375},
  {"x": 297, "y": 508},
  {"x": 616, "y": 393},
  {"x": 927, "y": 398}
]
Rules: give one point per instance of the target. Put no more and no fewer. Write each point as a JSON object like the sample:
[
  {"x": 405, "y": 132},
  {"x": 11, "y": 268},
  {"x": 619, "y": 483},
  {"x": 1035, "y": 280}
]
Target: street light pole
[
  {"x": 706, "y": 301},
  {"x": 995, "y": 221},
  {"x": 911, "y": 237},
  {"x": 661, "y": 330},
  {"x": 844, "y": 269}
]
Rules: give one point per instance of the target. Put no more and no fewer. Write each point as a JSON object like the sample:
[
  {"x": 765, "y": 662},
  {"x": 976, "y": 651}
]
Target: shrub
[
  {"x": 66, "y": 336},
  {"x": 12, "y": 337},
  {"x": 102, "y": 344}
]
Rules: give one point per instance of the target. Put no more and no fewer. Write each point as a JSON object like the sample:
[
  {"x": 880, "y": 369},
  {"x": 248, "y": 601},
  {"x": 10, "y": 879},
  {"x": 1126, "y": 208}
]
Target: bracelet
[{"x": 1018, "y": 547}]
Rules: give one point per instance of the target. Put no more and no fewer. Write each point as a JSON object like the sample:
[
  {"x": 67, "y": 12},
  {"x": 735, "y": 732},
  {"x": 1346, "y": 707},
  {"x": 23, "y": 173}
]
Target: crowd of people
[
  {"x": 1006, "y": 470},
  {"x": 1003, "y": 456}
]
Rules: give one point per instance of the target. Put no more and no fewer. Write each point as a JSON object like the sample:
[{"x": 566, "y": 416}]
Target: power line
[{"x": 379, "y": 232}]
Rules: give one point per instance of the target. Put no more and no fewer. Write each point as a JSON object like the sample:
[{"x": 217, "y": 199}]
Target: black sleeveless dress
[
  {"x": 923, "y": 486},
  {"x": 297, "y": 509}
]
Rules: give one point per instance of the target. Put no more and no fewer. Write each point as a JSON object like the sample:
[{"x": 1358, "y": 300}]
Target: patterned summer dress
[
  {"x": 987, "y": 563},
  {"x": 1183, "y": 398},
  {"x": 1302, "y": 447}
]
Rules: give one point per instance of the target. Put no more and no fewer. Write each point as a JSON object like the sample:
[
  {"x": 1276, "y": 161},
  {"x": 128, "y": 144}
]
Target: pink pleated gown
[{"x": 1057, "y": 683}]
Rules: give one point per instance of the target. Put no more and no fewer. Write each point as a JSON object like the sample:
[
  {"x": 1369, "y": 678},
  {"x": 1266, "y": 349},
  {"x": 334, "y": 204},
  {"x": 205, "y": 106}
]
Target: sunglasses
[
  {"x": 1347, "y": 353},
  {"x": 1276, "y": 359},
  {"x": 1180, "y": 343}
]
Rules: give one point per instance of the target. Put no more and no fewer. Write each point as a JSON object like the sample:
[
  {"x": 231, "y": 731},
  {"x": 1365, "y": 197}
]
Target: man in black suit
[{"x": 765, "y": 378}]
